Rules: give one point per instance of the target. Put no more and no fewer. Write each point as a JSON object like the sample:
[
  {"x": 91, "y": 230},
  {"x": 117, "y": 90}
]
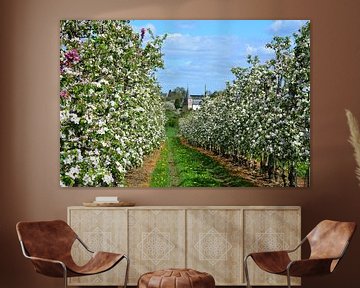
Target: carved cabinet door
[
  {"x": 268, "y": 230},
  {"x": 156, "y": 240},
  {"x": 101, "y": 230},
  {"x": 214, "y": 244}
]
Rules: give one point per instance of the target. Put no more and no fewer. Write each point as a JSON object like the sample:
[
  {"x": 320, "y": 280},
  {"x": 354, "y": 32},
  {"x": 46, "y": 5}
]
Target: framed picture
[{"x": 184, "y": 103}]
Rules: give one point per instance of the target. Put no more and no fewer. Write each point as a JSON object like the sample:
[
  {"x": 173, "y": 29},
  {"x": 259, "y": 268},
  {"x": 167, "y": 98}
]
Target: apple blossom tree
[{"x": 111, "y": 112}]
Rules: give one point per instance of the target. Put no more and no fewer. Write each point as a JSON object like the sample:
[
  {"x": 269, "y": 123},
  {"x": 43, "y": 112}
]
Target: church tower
[{"x": 188, "y": 100}]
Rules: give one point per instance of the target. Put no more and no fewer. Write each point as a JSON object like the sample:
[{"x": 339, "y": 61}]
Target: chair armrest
[
  {"x": 45, "y": 260},
  {"x": 281, "y": 251},
  {"x": 38, "y": 259},
  {"x": 83, "y": 244},
  {"x": 48, "y": 267},
  {"x": 309, "y": 267},
  {"x": 298, "y": 246}
]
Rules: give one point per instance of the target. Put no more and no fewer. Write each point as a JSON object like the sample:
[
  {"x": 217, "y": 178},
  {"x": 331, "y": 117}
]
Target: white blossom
[
  {"x": 74, "y": 171},
  {"x": 74, "y": 118},
  {"x": 108, "y": 179}
]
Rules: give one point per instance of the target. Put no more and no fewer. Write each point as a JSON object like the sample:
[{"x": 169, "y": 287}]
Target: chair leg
[
  {"x": 246, "y": 272},
  {"x": 65, "y": 275},
  {"x": 288, "y": 278},
  {"x": 127, "y": 271}
]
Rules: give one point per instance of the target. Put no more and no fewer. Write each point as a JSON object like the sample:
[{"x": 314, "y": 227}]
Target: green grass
[
  {"x": 302, "y": 169},
  {"x": 193, "y": 169},
  {"x": 161, "y": 177}
]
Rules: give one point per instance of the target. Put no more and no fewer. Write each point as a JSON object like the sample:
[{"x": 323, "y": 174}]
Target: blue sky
[{"x": 202, "y": 52}]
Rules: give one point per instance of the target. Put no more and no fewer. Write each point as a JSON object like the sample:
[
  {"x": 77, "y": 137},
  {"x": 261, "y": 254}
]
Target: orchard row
[
  {"x": 111, "y": 112},
  {"x": 262, "y": 119}
]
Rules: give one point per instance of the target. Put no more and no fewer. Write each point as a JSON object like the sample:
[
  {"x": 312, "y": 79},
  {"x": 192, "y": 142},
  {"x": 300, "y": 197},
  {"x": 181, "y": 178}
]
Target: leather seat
[
  {"x": 328, "y": 242},
  {"x": 48, "y": 245}
]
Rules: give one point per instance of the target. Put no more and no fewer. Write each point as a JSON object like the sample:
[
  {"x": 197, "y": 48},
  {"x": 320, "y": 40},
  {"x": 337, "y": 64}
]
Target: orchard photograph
[{"x": 184, "y": 103}]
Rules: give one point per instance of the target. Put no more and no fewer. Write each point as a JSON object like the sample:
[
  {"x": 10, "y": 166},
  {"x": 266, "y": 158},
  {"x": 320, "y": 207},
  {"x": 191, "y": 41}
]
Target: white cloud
[
  {"x": 261, "y": 50},
  {"x": 188, "y": 63},
  {"x": 200, "y": 59},
  {"x": 286, "y": 26},
  {"x": 277, "y": 25},
  {"x": 250, "y": 50},
  {"x": 267, "y": 50}
]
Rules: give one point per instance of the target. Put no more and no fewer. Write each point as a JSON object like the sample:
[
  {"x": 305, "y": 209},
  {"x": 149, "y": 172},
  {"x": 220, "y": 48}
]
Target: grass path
[
  {"x": 183, "y": 166},
  {"x": 165, "y": 173}
]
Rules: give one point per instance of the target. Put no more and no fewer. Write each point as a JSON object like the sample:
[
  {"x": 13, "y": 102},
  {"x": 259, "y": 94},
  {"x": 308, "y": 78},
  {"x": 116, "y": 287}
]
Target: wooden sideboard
[{"x": 211, "y": 239}]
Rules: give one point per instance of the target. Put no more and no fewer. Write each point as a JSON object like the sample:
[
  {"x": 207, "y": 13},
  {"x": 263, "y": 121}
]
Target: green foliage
[
  {"x": 177, "y": 96},
  {"x": 111, "y": 110},
  {"x": 302, "y": 169},
  {"x": 178, "y": 103},
  {"x": 172, "y": 119},
  {"x": 177, "y": 93}
]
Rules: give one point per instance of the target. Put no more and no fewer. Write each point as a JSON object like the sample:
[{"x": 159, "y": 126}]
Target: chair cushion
[{"x": 176, "y": 278}]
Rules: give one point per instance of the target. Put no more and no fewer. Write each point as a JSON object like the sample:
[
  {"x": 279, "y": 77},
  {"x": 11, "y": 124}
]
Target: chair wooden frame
[
  {"x": 314, "y": 265},
  {"x": 58, "y": 268}
]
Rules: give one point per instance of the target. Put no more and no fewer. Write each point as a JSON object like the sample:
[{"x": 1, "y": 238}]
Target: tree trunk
[
  {"x": 271, "y": 166},
  {"x": 292, "y": 175},
  {"x": 283, "y": 176}
]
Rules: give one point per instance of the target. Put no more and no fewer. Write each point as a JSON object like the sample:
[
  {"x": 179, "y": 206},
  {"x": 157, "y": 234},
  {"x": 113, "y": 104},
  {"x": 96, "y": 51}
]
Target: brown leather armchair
[
  {"x": 48, "y": 245},
  {"x": 328, "y": 242}
]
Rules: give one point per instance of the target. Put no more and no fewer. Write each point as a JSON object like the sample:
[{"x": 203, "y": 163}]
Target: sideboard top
[{"x": 193, "y": 207}]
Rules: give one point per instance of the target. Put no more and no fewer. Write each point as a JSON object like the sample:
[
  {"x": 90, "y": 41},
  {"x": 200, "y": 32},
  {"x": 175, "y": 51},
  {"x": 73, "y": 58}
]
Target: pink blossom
[
  {"x": 72, "y": 56},
  {"x": 143, "y": 30},
  {"x": 64, "y": 94}
]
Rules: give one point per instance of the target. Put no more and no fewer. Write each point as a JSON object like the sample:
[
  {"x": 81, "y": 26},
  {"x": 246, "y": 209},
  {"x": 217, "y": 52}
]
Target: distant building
[{"x": 193, "y": 102}]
